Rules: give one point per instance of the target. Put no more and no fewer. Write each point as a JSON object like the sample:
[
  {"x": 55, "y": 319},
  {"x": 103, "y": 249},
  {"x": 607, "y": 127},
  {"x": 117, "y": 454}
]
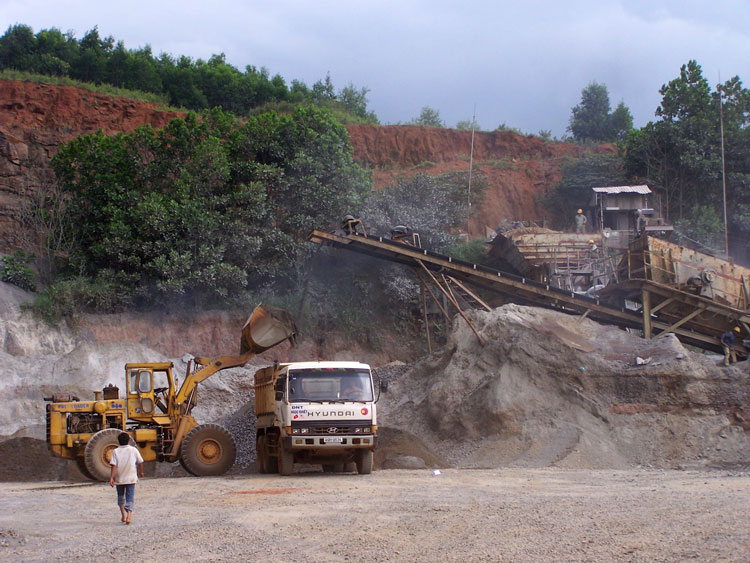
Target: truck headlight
[
  {"x": 304, "y": 430},
  {"x": 295, "y": 430},
  {"x": 362, "y": 430}
]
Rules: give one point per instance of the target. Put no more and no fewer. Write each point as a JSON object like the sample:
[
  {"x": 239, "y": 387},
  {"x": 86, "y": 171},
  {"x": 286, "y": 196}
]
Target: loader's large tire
[
  {"x": 364, "y": 462},
  {"x": 98, "y": 452},
  {"x": 208, "y": 450},
  {"x": 81, "y": 463},
  {"x": 286, "y": 460}
]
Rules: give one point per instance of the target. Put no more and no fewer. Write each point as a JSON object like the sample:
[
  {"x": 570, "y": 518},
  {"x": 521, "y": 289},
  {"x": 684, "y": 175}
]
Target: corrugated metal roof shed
[{"x": 624, "y": 190}]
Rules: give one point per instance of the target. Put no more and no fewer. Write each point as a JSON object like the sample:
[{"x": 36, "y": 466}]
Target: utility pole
[
  {"x": 471, "y": 165},
  {"x": 723, "y": 169}
]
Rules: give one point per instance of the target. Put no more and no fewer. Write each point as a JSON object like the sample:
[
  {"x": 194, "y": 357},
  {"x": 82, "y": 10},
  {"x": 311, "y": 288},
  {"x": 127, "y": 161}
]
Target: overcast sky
[{"x": 522, "y": 64}]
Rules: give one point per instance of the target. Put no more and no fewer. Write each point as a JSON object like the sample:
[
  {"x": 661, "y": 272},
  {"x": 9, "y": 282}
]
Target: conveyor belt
[{"x": 518, "y": 288}]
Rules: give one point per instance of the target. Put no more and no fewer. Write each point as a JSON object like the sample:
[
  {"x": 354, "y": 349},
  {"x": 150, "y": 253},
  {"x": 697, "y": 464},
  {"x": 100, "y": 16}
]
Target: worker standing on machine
[{"x": 580, "y": 222}]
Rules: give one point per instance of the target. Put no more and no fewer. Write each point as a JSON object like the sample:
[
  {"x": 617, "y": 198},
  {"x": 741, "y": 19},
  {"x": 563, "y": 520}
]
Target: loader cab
[{"x": 150, "y": 390}]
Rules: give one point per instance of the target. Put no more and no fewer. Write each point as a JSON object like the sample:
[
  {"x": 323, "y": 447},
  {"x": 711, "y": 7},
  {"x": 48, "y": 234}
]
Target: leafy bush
[
  {"x": 474, "y": 250},
  {"x": 205, "y": 207},
  {"x": 433, "y": 206},
  {"x": 67, "y": 299},
  {"x": 14, "y": 269},
  {"x": 703, "y": 226},
  {"x": 428, "y": 117},
  {"x": 574, "y": 189}
]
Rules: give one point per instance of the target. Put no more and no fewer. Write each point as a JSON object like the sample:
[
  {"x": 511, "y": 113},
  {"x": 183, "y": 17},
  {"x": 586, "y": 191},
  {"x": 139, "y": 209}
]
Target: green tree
[
  {"x": 579, "y": 175},
  {"x": 18, "y": 48},
  {"x": 355, "y": 101},
  {"x": 591, "y": 119},
  {"x": 191, "y": 84},
  {"x": 703, "y": 226},
  {"x": 620, "y": 122},
  {"x": 91, "y": 63},
  {"x": 55, "y": 52},
  {"x": 680, "y": 154},
  {"x": 205, "y": 207},
  {"x": 428, "y": 117},
  {"x": 468, "y": 125},
  {"x": 323, "y": 89}
]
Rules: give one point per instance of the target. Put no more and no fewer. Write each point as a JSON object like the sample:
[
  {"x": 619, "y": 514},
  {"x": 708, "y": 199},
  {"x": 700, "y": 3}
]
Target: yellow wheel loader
[{"x": 156, "y": 412}]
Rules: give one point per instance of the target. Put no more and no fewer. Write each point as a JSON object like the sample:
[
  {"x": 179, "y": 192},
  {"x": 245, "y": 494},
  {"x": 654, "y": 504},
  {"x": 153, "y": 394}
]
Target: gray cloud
[{"x": 522, "y": 64}]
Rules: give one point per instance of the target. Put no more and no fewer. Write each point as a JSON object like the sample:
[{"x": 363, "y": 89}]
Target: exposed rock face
[
  {"x": 545, "y": 390},
  {"x": 517, "y": 169},
  {"x": 35, "y": 119}
]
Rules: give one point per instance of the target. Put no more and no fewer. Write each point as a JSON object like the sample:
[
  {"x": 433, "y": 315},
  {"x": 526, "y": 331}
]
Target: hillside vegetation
[
  {"x": 213, "y": 208},
  {"x": 178, "y": 81}
]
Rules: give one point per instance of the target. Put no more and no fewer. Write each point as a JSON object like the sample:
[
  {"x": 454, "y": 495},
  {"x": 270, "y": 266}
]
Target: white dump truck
[{"x": 315, "y": 413}]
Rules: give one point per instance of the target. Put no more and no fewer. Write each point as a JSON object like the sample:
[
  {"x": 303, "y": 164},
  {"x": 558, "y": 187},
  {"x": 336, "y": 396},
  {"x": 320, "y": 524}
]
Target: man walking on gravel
[{"x": 126, "y": 465}]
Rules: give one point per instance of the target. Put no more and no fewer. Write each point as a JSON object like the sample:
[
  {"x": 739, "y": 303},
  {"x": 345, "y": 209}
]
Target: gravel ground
[{"x": 391, "y": 515}]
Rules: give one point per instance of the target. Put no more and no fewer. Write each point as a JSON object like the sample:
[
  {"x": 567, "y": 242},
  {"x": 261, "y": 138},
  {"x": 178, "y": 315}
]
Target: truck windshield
[{"x": 331, "y": 384}]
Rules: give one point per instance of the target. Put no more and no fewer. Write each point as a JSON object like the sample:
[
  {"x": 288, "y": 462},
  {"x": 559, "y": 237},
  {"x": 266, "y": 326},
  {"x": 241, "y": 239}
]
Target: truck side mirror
[
  {"x": 279, "y": 395},
  {"x": 382, "y": 387}
]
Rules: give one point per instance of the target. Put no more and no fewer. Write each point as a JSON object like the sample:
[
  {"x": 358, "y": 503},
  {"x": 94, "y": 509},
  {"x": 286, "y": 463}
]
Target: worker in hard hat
[
  {"x": 580, "y": 222},
  {"x": 592, "y": 249},
  {"x": 640, "y": 221},
  {"x": 727, "y": 344}
]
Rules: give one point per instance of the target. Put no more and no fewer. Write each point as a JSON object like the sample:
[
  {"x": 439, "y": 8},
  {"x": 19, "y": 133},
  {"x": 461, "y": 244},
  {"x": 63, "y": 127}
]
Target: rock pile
[{"x": 549, "y": 389}]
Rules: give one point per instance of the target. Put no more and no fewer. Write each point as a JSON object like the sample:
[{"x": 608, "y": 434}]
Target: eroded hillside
[{"x": 37, "y": 118}]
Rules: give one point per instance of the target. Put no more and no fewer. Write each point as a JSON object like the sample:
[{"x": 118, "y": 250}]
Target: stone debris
[{"x": 547, "y": 389}]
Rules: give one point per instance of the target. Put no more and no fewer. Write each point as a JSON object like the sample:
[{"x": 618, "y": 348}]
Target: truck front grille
[{"x": 332, "y": 429}]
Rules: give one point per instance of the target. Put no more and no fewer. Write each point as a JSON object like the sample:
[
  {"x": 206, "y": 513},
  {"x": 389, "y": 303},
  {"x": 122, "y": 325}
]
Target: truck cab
[{"x": 316, "y": 413}]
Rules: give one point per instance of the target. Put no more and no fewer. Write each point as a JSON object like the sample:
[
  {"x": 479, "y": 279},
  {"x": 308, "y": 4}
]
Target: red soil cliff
[{"x": 35, "y": 119}]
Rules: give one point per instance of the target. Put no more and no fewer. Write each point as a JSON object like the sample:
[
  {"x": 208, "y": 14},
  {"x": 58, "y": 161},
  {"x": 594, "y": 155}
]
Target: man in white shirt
[{"x": 126, "y": 464}]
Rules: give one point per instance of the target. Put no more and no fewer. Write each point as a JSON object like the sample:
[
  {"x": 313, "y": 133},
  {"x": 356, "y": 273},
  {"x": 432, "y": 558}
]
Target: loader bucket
[{"x": 266, "y": 327}]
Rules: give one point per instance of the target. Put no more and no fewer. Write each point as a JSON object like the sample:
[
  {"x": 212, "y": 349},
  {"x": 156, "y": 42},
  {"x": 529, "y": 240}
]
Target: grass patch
[
  {"x": 105, "y": 89},
  {"x": 504, "y": 163},
  {"x": 424, "y": 164}
]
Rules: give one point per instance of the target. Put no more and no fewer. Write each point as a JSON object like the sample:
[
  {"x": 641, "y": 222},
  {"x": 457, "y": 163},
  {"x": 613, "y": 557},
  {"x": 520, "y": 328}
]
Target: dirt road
[{"x": 396, "y": 515}]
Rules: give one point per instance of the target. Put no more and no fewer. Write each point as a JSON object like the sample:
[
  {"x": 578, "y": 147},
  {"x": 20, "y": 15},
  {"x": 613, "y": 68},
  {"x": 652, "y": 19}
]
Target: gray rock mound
[{"x": 548, "y": 389}]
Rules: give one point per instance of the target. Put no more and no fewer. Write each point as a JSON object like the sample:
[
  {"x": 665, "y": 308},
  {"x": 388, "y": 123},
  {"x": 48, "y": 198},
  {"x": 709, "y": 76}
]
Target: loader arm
[
  {"x": 210, "y": 367},
  {"x": 265, "y": 328}
]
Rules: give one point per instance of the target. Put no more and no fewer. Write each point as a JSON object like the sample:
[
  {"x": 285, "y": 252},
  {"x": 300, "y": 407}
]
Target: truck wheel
[
  {"x": 350, "y": 467},
  {"x": 286, "y": 460},
  {"x": 364, "y": 462},
  {"x": 261, "y": 461},
  {"x": 272, "y": 462},
  {"x": 98, "y": 452},
  {"x": 208, "y": 450}
]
